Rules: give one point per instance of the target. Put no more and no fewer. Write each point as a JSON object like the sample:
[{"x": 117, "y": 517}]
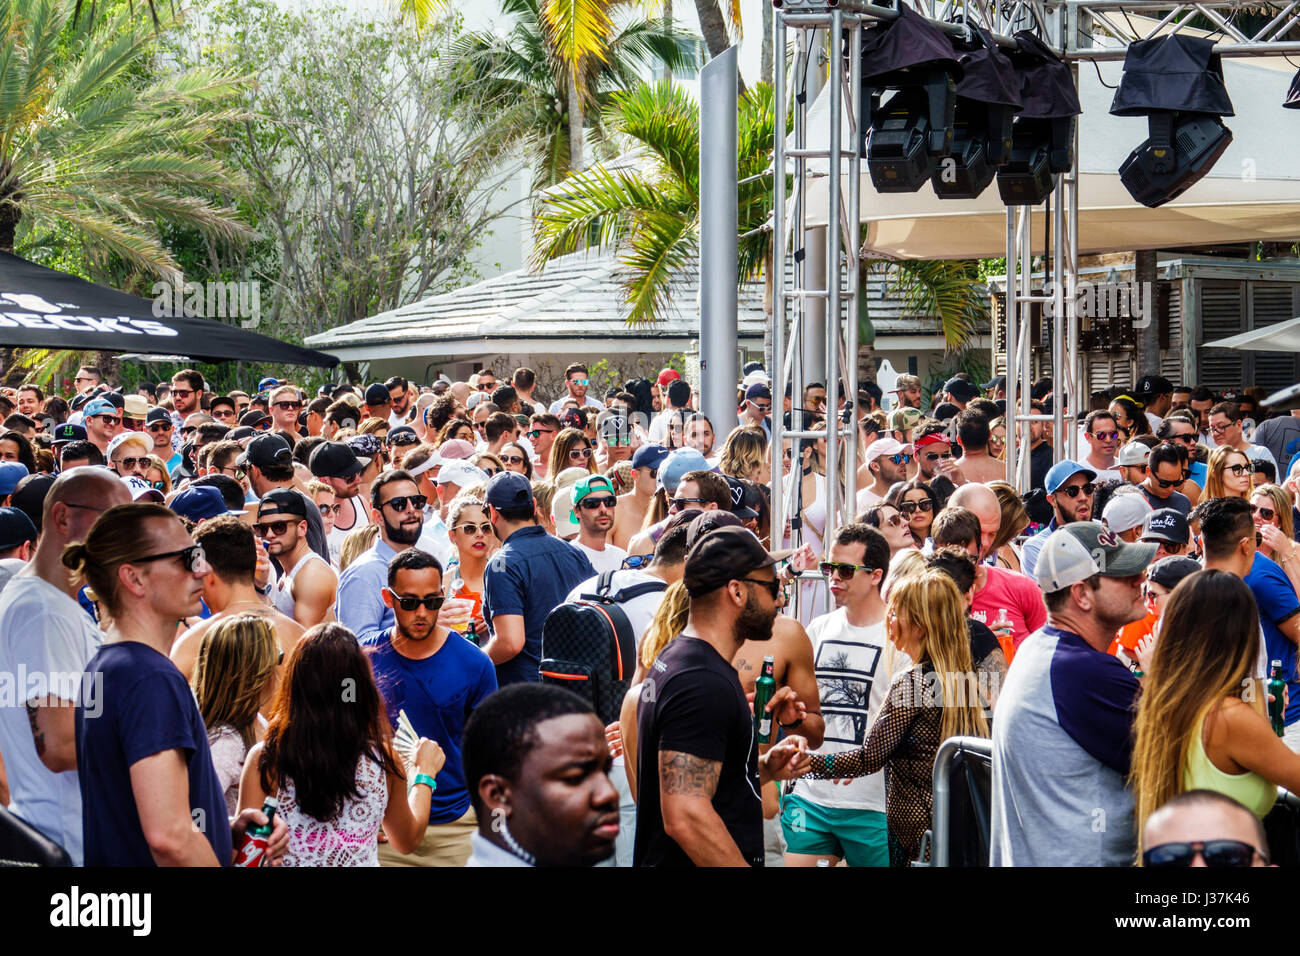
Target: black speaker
[
  {"x": 1027, "y": 178},
  {"x": 1179, "y": 150}
]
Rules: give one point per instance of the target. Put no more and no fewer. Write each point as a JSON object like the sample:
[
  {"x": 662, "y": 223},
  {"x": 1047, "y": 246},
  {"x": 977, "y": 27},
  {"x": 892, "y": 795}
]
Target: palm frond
[{"x": 949, "y": 289}]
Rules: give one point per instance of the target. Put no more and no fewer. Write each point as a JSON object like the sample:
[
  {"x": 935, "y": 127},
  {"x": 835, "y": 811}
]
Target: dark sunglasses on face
[
  {"x": 591, "y": 504},
  {"x": 130, "y": 463},
  {"x": 910, "y": 508},
  {"x": 1268, "y": 514},
  {"x": 486, "y": 386},
  {"x": 537, "y": 433},
  {"x": 401, "y": 502},
  {"x": 191, "y": 557},
  {"x": 160, "y": 427},
  {"x": 276, "y": 528},
  {"x": 512, "y": 459},
  {"x": 327, "y": 509},
  {"x": 181, "y": 393},
  {"x": 1167, "y": 484},
  {"x": 490, "y": 472},
  {"x": 1238, "y": 470},
  {"x": 158, "y": 485},
  {"x": 108, "y": 419},
  {"x": 431, "y": 602},
  {"x": 1105, "y": 436},
  {"x": 1185, "y": 439},
  {"x": 844, "y": 572},
  {"x": 1072, "y": 491},
  {"x": 773, "y": 586},
  {"x": 484, "y": 529},
  {"x": 937, "y": 455},
  {"x": 285, "y": 406},
  {"x": 676, "y": 504},
  {"x": 1215, "y": 853}
]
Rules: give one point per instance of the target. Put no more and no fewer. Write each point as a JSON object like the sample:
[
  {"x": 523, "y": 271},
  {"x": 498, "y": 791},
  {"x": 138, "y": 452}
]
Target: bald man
[
  {"x": 983, "y": 503},
  {"x": 1199, "y": 817}
]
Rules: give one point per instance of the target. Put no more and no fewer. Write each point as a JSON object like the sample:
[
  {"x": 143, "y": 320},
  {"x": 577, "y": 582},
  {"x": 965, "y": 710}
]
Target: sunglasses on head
[
  {"x": 401, "y": 502},
  {"x": 1268, "y": 514},
  {"x": 844, "y": 572},
  {"x": 1215, "y": 853},
  {"x": 910, "y": 508},
  {"x": 402, "y": 439},
  {"x": 431, "y": 603},
  {"x": 470, "y": 528},
  {"x": 591, "y": 504},
  {"x": 1072, "y": 491}
]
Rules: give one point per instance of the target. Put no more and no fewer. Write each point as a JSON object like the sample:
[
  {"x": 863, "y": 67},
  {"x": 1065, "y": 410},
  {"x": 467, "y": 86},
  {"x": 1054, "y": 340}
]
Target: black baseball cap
[
  {"x": 1166, "y": 524},
  {"x": 738, "y": 506},
  {"x": 961, "y": 389},
  {"x": 282, "y": 501},
  {"x": 252, "y": 418},
  {"x": 1154, "y": 385},
  {"x": 376, "y": 394},
  {"x": 115, "y": 399},
  {"x": 157, "y": 414},
  {"x": 29, "y": 496},
  {"x": 333, "y": 459},
  {"x": 265, "y": 450},
  {"x": 401, "y": 436},
  {"x": 722, "y": 555},
  {"x": 67, "y": 432},
  {"x": 1169, "y": 570},
  {"x": 15, "y": 528},
  {"x": 509, "y": 489}
]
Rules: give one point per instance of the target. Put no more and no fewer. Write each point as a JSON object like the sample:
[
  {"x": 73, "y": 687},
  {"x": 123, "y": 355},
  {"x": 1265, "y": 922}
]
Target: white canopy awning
[
  {"x": 1282, "y": 337},
  {"x": 1253, "y": 192}
]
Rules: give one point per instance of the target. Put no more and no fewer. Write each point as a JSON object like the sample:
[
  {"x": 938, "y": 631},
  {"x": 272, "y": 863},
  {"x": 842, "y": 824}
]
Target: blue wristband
[{"x": 424, "y": 778}]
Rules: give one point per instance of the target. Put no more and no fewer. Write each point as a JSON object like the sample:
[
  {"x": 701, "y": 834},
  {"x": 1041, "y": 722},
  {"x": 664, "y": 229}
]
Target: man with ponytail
[
  {"x": 150, "y": 793},
  {"x": 44, "y": 632}
]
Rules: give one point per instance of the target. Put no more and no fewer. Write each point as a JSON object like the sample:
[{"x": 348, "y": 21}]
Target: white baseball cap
[
  {"x": 1125, "y": 511},
  {"x": 457, "y": 471},
  {"x": 1063, "y": 561},
  {"x": 886, "y": 446}
]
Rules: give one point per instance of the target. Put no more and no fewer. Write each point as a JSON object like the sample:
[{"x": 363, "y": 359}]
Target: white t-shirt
[
  {"x": 855, "y": 667},
  {"x": 610, "y": 559},
  {"x": 46, "y": 639},
  {"x": 866, "y": 498},
  {"x": 588, "y": 402},
  {"x": 8, "y": 568},
  {"x": 640, "y": 610}
]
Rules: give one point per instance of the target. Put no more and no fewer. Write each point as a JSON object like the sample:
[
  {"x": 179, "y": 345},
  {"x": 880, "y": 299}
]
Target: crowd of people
[{"x": 364, "y": 612}]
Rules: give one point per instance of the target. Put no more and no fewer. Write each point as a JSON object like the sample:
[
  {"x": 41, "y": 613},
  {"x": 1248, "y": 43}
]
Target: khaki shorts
[{"x": 443, "y": 844}]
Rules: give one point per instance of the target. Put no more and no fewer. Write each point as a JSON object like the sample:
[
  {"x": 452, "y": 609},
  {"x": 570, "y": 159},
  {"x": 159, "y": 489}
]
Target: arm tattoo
[
  {"x": 38, "y": 735},
  {"x": 687, "y": 775}
]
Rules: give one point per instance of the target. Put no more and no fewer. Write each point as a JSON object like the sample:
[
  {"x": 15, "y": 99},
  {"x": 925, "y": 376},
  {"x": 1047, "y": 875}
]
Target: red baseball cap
[{"x": 667, "y": 376}]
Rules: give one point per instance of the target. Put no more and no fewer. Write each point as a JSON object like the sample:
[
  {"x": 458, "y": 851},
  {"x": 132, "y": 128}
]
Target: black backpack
[{"x": 588, "y": 646}]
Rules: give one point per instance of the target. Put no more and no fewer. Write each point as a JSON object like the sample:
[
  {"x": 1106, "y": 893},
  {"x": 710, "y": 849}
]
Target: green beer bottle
[
  {"x": 1276, "y": 688},
  {"x": 764, "y": 688}
]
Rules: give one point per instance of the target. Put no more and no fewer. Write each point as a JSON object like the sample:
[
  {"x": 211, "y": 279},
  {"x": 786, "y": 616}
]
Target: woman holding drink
[{"x": 472, "y": 536}]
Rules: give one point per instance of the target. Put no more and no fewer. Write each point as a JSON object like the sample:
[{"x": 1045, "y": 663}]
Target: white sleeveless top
[
  {"x": 351, "y": 839},
  {"x": 282, "y": 593}
]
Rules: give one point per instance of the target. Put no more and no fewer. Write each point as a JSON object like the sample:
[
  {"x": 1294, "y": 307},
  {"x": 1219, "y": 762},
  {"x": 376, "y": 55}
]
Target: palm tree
[
  {"x": 652, "y": 215},
  {"x": 525, "y": 68},
  {"x": 95, "y": 138}
]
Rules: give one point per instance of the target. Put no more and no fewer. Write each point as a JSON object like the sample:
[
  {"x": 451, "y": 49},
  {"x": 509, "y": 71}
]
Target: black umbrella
[{"x": 44, "y": 308}]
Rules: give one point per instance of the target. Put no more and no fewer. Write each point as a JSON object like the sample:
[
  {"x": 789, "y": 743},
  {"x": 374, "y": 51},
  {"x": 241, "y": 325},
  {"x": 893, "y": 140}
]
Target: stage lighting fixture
[
  {"x": 988, "y": 96},
  {"x": 1176, "y": 82},
  {"x": 1042, "y": 139},
  {"x": 904, "y": 134}
]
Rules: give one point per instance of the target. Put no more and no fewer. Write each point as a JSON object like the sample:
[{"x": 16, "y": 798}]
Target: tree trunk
[
  {"x": 667, "y": 75},
  {"x": 768, "y": 54},
  {"x": 714, "y": 30},
  {"x": 575, "y": 124}
]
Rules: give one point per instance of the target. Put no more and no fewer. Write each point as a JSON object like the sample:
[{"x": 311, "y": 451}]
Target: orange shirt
[{"x": 1130, "y": 634}]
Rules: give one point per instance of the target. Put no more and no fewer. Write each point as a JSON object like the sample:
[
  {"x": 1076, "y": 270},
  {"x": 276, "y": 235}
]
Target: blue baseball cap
[
  {"x": 1062, "y": 472},
  {"x": 266, "y": 383},
  {"x": 509, "y": 489},
  {"x": 199, "y": 502},
  {"x": 98, "y": 406},
  {"x": 758, "y": 390},
  {"x": 679, "y": 462},
  {"x": 650, "y": 456},
  {"x": 11, "y": 472},
  {"x": 15, "y": 528}
]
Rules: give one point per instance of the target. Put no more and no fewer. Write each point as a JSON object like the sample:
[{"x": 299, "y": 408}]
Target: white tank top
[{"x": 282, "y": 594}]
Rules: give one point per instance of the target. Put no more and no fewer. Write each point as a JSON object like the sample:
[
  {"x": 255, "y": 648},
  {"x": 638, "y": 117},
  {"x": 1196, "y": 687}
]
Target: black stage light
[
  {"x": 906, "y": 133},
  {"x": 1176, "y": 82},
  {"x": 988, "y": 97},
  {"x": 1042, "y": 139}
]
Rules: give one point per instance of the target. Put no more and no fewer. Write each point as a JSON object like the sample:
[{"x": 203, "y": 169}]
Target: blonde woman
[
  {"x": 745, "y": 455},
  {"x": 1014, "y": 520},
  {"x": 998, "y": 438},
  {"x": 934, "y": 700},
  {"x": 1270, "y": 508},
  {"x": 235, "y": 679},
  {"x": 156, "y": 475},
  {"x": 1193, "y": 729},
  {"x": 1228, "y": 474},
  {"x": 472, "y": 536},
  {"x": 356, "y": 543}
]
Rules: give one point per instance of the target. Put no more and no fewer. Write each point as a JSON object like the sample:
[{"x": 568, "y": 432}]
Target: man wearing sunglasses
[
  {"x": 186, "y": 394},
  {"x": 541, "y": 434},
  {"x": 887, "y": 462},
  {"x": 397, "y": 507},
  {"x": 267, "y": 464},
  {"x": 306, "y": 588},
  {"x": 1062, "y": 737},
  {"x": 1069, "y": 487},
  {"x": 437, "y": 678},
  {"x": 614, "y": 442},
  {"x": 594, "y": 504},
  {"x": 1102, "y": 435},
  {"x": 855, "y": 663},
  {"x": 43, "y": 630},
  {"x": 286, "y": 403},
  {"x": 102, "y": 421},
  {"x": 935, "y": 462},
  {"x": 1204, "y": 828},
  {"x": 1164, "y": 474},
  {"x": 576, "y": 383},
  {"x": 1225, "y": 429},
  {"x": 128, "y": 453}
]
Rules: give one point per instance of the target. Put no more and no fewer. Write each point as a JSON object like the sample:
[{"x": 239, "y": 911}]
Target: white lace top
[{"x": 351, "y": 839}]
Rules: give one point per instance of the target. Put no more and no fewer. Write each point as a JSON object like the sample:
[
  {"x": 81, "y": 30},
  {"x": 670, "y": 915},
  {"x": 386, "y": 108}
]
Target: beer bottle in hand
[
  {"x": 1276, "y": 688},
  {"x": 764, "y": 688},
  {"x": 252, "y": 852}
]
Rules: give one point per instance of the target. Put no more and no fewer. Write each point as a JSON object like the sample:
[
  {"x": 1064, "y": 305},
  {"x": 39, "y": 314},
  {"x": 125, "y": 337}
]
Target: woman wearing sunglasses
[
  {"x": 156, "y": 475},
  {"x": 571, "y": 450},
  {"x": 488, "y": 462},
  {"x": 1228, "y": 474},
  {"x": 515, "y": 458},
  {"x": 998, "y": 438},
  {"x": 887, "y": 519},
  {"x": 1130, "y": 417},
  {"x": 471, "y": 535},
  {"x": 1193, "y": 729},
  {"x": 918, "y": 504}
]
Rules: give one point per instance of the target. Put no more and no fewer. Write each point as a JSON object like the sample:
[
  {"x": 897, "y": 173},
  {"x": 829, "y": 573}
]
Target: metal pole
[
  {"x": 777, "y": 265},
  {"x": 1075, "y": 366},
  {"x": 813, "y": 339},
  {"x": 1009, "y": 319},
  {"x": 718, "y": 239},
  {"x": 1060, "y": 378},
  {"x": 853, "y": 265},
  {"x": 831, "y": 342},
  {"x": 1026, "y": 316}
]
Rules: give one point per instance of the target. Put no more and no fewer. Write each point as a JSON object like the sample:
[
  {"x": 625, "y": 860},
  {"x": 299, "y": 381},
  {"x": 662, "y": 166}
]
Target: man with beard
[
  {"x": 887, "y": 462},
  {"x": 437, "y": 679},
  {"x": 305, "y": 591},
  {"x": 400, "y": 394},
  {"x": 187, "y": 395},
  {"x": 698, "y": 766},
  {"x": 268, "y": 463},
  {"x": 537, "y": 768},
  {"x": 334, "y": 463},
  {"x": 1069, "y": 492},
  {"x": 1062, "y": 738},
  {"x": 398, "y": 509},
  {"x": 593, "y": 505},
  {"x": 937, "y": 466}
]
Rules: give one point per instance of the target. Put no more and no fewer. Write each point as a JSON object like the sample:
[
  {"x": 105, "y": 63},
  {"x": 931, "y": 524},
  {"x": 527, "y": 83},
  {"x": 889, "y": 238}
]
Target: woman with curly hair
[{"x": 745, "y": 455}]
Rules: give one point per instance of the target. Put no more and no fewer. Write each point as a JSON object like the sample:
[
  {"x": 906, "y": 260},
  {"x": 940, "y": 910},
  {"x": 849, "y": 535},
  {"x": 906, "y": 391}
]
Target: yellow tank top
[{"x": 1249, "y": 788}]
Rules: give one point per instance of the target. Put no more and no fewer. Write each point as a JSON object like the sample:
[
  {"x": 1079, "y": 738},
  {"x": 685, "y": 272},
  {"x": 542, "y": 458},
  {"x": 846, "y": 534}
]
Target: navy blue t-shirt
[
  {"x": 438, "y": 694},
  {"x": 1277, "y": 603},
  {"x": 144, "y": 707},
  {"x": 531, "y": 575}
]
